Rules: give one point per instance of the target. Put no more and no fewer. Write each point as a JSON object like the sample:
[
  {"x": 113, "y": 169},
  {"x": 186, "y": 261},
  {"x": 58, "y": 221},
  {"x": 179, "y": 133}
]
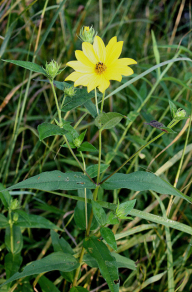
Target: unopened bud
[
  {"x": 14, "y": 204},
  {"x": 87, "y": 34},
  {"x": 181, "y": 113},
  {"x": 77, "y": 142},
  {"x": 15, "y": 217},
  {"x": 70, "y": 91},
  {"x": 52, "y": 69}
]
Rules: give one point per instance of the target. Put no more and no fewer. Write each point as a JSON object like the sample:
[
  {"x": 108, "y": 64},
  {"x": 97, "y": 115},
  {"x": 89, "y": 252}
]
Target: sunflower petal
[
  {"x": 89, "y": 52},
  {"x": 83, "y": 59},
  {"x": 125, "y": 61},
  {"x": 112, "y": 75},
  {"x": 80, "y": 67},
  {"x": 103, "y": 83},
  {"x": 123, "y": 70},
  {"x": 114, "y": 54},
  {"x": 84, "y": 80},
  {"x": 94, "y": 83},
  {"x": 110, "y": 45},
  {"x": 99, "y": 49},
  {"x": 74, "y": 76}
]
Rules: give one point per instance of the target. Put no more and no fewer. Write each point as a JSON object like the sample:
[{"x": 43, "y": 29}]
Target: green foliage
[
  {"x": 55, "y": 261},
  {"x": 108, "y": 120},
  {"x": 97, "y": 182},
  {"x": 106, "y": 262},
  {"x": 46, "y": 130}
]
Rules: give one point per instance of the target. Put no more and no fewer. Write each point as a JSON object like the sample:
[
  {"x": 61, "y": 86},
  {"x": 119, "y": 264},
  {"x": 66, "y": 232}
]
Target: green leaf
[
  {"x": 92, "y": 170},
  {"x": 46, "y": 207},
  {"x": 80, "y": 98},
  {"x": 160, "y": 220},
  {"x": 72, "y": 133},
  {"x": 108, "y": 120},
  {"x": 79, "y": 214},
  {"x": 124, "y": 262},
  {"x": 28, "y": 65},
  {"x": 82, "y": 136},
  {"x": 112, "y": 219},
  {"x": 78, "y": 289},
  {"x": 17, "y": 239},
  {"x": 86, "y": 146},
  {"x": 109, "y": 237},
  {"x": 60, "y": 244},
  {"x": 99, "y": 213},
  {"x": 90, "y": 106},
  {"x": 131, "y": 117},
  {"x": 156, "y": 52},
  {"x": 35, "y": 221},
  {"x": 55, "y": 261},
  {"x": 107, "y": 263},
  {"x": 56, "y": 180},
  {"x": 47, "y": 285},
  {"x": 168, "y": 130},
  {"x": 142, "y": 181},
  {"x": 12, "y": 264},
  {"x": 5, "y": 196},
  {"x": 173, "y": 108},
  {"x": 125, "y": 208},
  {"x": 3, "y": 221},
  {"x": 46, "y": 130}
]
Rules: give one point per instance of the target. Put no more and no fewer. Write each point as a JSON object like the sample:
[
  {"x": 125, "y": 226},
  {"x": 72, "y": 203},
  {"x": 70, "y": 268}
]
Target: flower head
[{"x": 97, "y": 64}]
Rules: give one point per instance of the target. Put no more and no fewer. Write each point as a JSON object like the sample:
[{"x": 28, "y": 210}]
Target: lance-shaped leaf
[
  {"x": 46, "y": 130},
  {"x": 99, "y": 213},
  {"x": 3, "y": 221},
  {"x": 28, "y": 65},
  {"x": 55, "y": 180},
  {"x": 173, "y": 108},
  {"x": 142, "y": 181},
  {"x": 109, "y": 237},
  {"x": 55, "y": 261},
  {"x": 106, "y": 262},
  {"x": 108, "y": 120},
  {"x": 34, "y": 221},
  {"x": 86, "y": 146}
]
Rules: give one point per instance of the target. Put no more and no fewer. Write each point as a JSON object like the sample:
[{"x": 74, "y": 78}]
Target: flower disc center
[{"x": 100, "y": 67}]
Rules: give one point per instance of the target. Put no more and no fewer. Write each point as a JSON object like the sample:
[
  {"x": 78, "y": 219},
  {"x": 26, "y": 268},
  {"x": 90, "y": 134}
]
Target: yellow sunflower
[{"x": 98, "y": 64}]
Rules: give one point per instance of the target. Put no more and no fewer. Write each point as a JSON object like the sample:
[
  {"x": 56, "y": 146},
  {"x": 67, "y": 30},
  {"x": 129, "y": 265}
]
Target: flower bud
[
  {"x": 15, "y": 217},
  {"x": 14, "y": 204},
  {"x": 69, "y": 91},
  {"x": 77, "y": 142},
  {"x": 181, "y": 113},
  {"x": 52, "y": 69},
  {"x": 87, "y": 34}
]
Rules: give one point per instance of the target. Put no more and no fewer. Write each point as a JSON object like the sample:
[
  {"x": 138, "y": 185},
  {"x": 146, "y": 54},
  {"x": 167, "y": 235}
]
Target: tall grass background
[{"x": 153, "y": 32}]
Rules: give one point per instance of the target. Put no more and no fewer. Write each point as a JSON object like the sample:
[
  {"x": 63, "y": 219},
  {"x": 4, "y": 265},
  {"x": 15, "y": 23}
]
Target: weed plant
[{"x": 95, "y": 187}]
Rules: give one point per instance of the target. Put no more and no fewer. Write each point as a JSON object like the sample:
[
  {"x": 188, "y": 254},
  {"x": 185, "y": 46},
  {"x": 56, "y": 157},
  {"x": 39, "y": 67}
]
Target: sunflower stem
[
  {"x": 96, "y": 102},
  {"x": 65, "y": 138},
  {"x": 102, "y": 103},
  {"x": 100, "y": 143}
]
